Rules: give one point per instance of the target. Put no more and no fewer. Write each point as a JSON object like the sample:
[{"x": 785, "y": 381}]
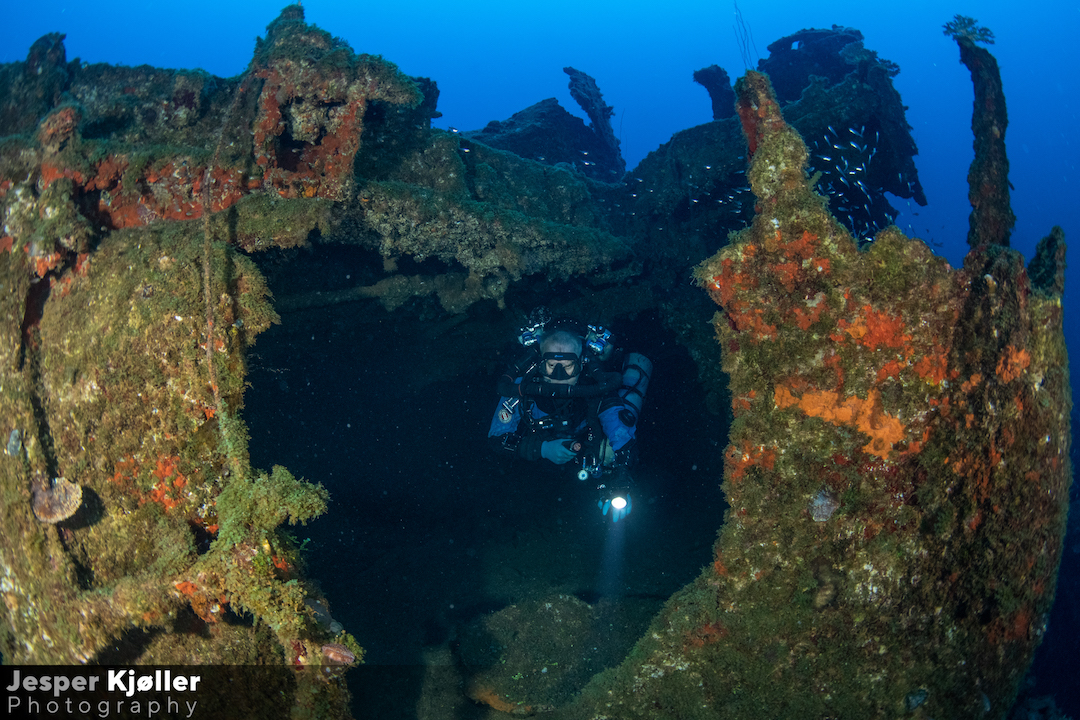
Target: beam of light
[{"x": 609, "y": 583}]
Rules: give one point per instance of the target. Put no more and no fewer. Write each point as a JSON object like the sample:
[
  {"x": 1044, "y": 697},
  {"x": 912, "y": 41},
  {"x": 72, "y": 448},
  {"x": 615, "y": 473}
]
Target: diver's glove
[
  {"x": 618, "y": 506},
  {"x": 557, "y": 451}
]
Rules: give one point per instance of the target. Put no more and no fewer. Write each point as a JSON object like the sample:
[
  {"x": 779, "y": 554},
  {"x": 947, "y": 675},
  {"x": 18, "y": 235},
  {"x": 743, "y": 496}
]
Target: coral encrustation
[{"x": 896, "y": 471}]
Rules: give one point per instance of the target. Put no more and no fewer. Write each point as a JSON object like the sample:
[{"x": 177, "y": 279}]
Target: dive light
[{"x": 615, "y": 500}]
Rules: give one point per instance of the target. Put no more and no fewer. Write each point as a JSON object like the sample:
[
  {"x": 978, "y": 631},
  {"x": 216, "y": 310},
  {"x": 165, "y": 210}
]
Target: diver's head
[{"x": 560, "y": 357}]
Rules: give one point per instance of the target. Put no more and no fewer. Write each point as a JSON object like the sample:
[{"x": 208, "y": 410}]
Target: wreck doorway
[{"x": 427, "y": 530}]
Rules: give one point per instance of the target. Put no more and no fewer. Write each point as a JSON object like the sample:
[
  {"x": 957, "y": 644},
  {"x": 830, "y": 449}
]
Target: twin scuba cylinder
[
  {"x": 637, "y": 370},
  {"x": 614, "y": 494}
]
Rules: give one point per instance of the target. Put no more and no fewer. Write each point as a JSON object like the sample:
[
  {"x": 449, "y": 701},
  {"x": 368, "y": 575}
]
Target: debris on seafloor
[{"x": 535, "y": 655}]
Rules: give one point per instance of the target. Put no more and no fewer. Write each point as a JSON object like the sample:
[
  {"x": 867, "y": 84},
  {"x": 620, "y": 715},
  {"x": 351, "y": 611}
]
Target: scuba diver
[{"x": 563, "y": 402}]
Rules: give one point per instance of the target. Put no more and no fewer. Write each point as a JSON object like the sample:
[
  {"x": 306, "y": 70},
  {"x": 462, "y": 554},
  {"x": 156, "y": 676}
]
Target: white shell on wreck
[
  {"x": 823, "y": 506},
  {"x": 55, "y": 500}
]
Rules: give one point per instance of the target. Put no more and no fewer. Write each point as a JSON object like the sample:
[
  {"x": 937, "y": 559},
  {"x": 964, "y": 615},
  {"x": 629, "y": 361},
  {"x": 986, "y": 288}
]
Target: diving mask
[{"x": 560, "y": 366}]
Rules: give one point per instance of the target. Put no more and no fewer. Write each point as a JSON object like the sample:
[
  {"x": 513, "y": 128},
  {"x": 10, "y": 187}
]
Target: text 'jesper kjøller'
[{"x": 123, "y": 681}]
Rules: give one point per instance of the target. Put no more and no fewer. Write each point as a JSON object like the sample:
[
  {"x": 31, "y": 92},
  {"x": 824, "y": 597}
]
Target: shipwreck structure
[
  {"x": 897, "y": 464},
  {"x": 898, "y": 471}
]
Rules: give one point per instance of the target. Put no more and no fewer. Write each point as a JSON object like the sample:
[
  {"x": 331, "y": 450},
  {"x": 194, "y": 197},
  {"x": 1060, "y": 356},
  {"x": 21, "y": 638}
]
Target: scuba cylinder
[
  {"x": 637, "y": 371},
  {"x": 599, "y": 457},
  {"x": 615, "y": 493}
]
